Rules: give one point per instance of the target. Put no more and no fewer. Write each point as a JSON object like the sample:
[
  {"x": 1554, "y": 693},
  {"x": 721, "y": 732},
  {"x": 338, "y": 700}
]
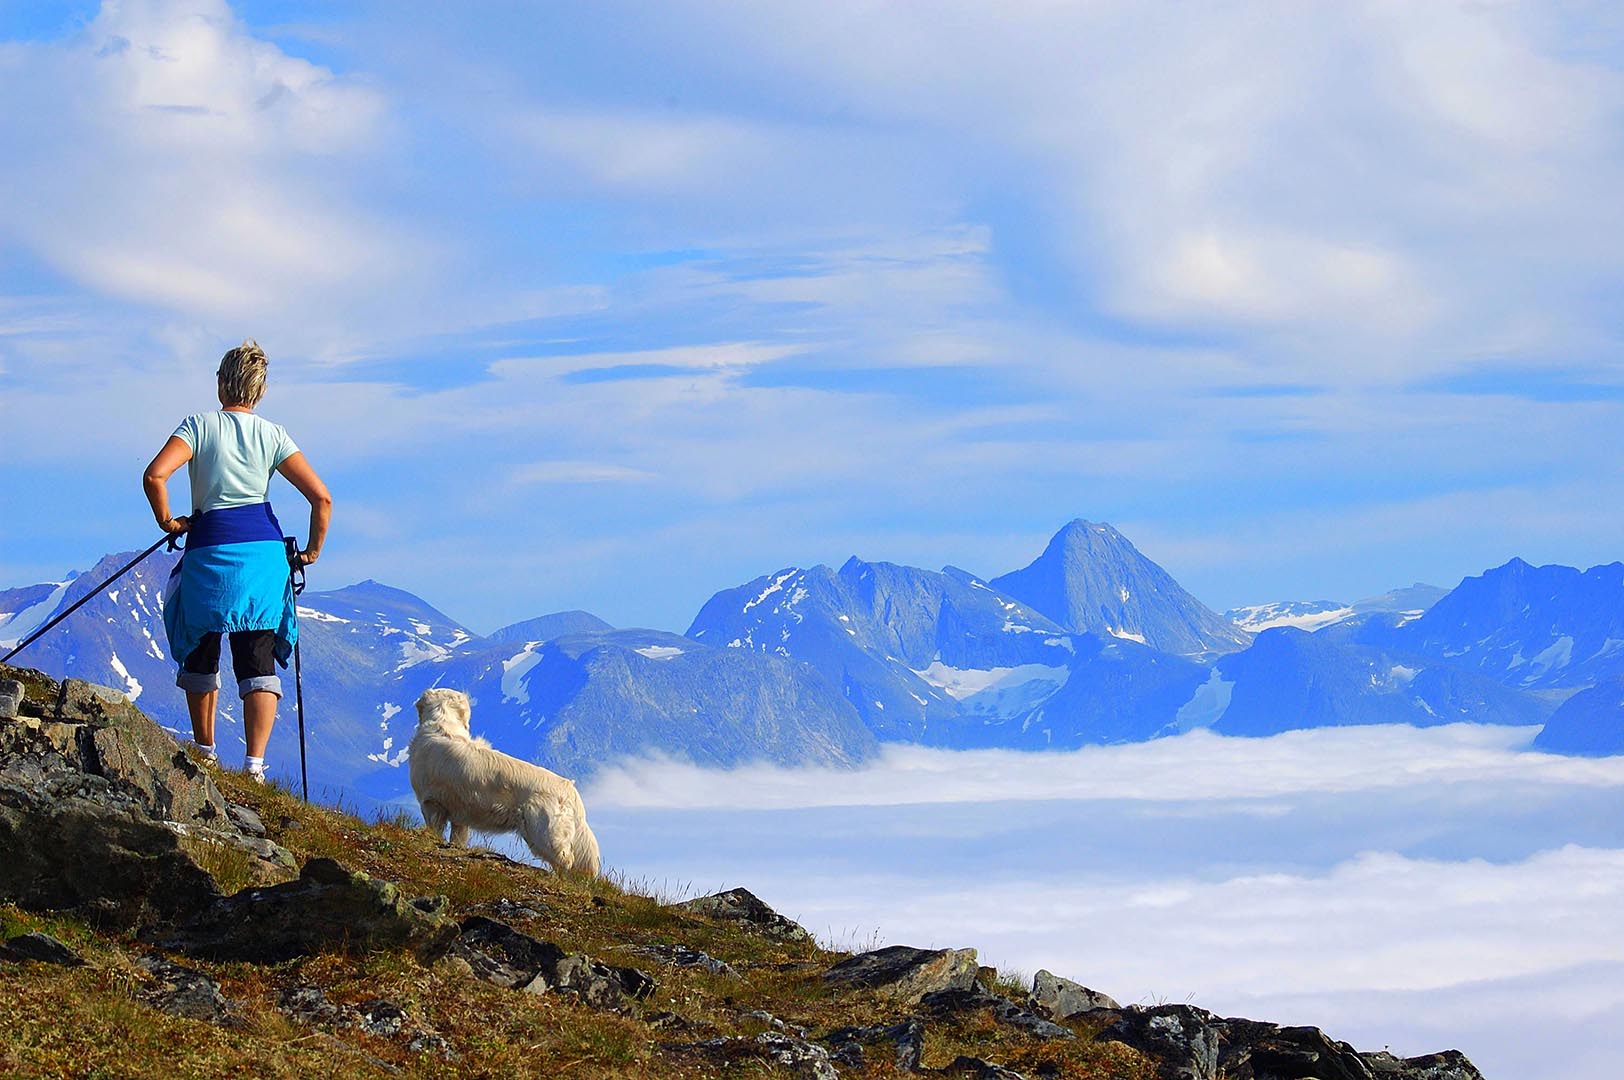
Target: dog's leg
[
  {"x": 435, "y": 818},
  {"x": 543, "y": 831},
  {"x": 459, "y": 834}
]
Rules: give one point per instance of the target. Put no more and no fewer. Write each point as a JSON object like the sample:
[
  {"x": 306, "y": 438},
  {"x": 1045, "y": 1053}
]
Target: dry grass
[{"x": 90, "y": 1022}]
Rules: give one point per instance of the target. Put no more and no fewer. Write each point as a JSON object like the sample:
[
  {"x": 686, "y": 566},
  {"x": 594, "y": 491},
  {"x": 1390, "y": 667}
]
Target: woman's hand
[
  {"x": 176, "y": 525},
  {"x": 306, "y": 557}
]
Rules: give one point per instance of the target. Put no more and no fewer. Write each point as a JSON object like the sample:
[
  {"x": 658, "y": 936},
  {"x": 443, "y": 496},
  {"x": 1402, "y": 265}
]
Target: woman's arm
[
  {"x": 299, "y": 473},
  {"x": 156, "y": 483}
]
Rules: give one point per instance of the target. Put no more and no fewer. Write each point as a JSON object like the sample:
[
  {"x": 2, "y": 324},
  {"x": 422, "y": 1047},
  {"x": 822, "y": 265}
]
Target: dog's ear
[{"x": 464, "y": 709}]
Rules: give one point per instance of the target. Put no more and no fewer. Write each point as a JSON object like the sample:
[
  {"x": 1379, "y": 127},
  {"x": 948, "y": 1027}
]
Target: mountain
[
  {"x": 910, "y": 649},
  {"x": 368, "y": 650},
  {"x": 1590, "y": 723},
  {"x": 1317, "y": 614},
  {"x": 1090, "y": 579},
  {"x": 1532, "y": 627},
  {"x": 1292, "y": 679},
  {"x": 547, "y": 627}
]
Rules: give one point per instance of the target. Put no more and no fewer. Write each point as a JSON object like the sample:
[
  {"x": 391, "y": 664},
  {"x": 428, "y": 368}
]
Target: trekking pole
[
  {"x": 296, "y": 575},
  {"x": 168, "y": 538}
]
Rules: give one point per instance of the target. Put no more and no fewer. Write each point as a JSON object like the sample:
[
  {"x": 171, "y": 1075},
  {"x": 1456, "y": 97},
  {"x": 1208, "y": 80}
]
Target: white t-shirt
[{"x": 233, "y": 456}]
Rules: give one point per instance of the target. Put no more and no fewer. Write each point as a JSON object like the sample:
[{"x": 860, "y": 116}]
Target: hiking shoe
[{"x": 256, "y": 774}]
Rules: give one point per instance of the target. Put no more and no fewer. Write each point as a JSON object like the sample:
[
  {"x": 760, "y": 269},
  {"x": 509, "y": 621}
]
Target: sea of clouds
[{"x": 1403, "y": 888}]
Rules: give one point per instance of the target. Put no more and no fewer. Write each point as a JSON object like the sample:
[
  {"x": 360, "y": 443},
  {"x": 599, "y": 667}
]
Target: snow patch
[
  {"x": 132, "y": 686},
  {"x": 515, "y": 670},
  {"x": 659, "y": 652},
  {"x": 1125, "y": 635},
  {"x": 319, "y": 616},
  {"x": 16, "y": 625},
  {"x": 1206, "y": 706},
  {"x": 1002, "y": 692}
]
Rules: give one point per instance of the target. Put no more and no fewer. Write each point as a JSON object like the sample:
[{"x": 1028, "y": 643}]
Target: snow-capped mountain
[
  {"x": 1528, "y": 626},
  {"x": 910, "y": 649},
  {"x": 1091, "y": 579},
  {"x": 819, "y": 665}
]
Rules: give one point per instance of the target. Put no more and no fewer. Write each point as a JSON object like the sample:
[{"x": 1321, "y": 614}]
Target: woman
[{"x": 234, "y": 577}]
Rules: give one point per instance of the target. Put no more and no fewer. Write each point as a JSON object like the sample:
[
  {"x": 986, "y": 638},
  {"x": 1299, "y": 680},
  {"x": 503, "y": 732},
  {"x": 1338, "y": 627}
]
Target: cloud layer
[{"x": 1397, "y": 887}]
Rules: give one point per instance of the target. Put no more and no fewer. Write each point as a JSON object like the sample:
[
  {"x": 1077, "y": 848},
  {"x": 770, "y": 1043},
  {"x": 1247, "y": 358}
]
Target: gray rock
[
  {"x": 41, "y": 947},
  {"x": 11, "y": 697},
  {"x": 101, "y": 812},
  {"x": 1061, "y": 999},
  {"x": 803, "y": 1058},
  {"x": 1006, "y": 1012},
  {"x": 744, "y": 906},
  {"x": 1448, "y": 1065},
  {"x": 502, "y": 955},
  {"x": 180, "y": 991},
  {"x": 328, "y": 907},
  {"x": 683, "y": 957},
  {"x": 1250, "y": 1048},
  {"x": 428, "y": 1042},
  {"x": 848, "y": 1045},
  {"x": 774, "y": 1022},
  {"x": 1182, "y": 1039},
  {"x": 906, "y": 974},
  {"x": 246, "y": 819},
  {"x": 382, "y": 1018},
  {"x": 307, "y": 1005}
]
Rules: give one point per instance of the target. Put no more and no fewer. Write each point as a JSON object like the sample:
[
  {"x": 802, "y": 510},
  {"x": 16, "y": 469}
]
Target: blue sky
[{"x": 611, "y": 306}]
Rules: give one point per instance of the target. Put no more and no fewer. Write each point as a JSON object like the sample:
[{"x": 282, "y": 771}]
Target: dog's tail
[{"x": 584, "y": 856}]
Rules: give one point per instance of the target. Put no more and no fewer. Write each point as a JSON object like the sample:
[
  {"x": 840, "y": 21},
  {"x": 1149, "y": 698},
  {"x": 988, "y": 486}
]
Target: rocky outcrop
[
  {"x": 180, "y": 991},
  {"x": 328, "y": 907},
  {"x": 508, "y": 958},
  {"x": 1062, "y": 999},
  {"x": 102, "y": 812},
  {"x": 1192, "y": 1044},
  {"x": 851, "y": 1045},
  {"x": 1004, "y": 1011},
  {"x": 906, "y": 974},
  {"x": 744, "y": 906}
]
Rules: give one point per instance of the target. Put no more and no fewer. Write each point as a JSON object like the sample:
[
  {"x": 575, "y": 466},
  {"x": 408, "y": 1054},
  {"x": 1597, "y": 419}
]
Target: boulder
[
  {"x": 803, "y": 1059},
  {"x": 103, "y": 813},
  {"x": 744, "y": 906},
  {"x": 1249, "y": 1049},
  {"x": 180, "y": 991},
  {"x": 906, "y": 974},
  {"x": 502, "y": 955},
  {"x": 1006, "y": 1012},
  {"x": 1182, "y": 1039},
  {"x": 39, "y": 947},
  {"x": 328, "y": 907},
  {"x": 1449, "y": 1065},
  {"x": 848, "y": 1045},
  {"x": 11, "y": 698},
  {"x": 1061, "y": 999}
]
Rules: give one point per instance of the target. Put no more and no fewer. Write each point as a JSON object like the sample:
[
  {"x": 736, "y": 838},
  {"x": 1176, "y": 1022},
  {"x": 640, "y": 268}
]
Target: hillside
[{"x": 162, "y": 919}]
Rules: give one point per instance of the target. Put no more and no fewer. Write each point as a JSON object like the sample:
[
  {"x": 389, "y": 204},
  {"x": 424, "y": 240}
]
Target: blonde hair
[{"x": 242, "y": 374}]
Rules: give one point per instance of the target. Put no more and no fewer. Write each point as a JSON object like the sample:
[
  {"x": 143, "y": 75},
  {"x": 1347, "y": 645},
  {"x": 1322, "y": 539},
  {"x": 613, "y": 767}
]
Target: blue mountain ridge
[{"x": 823, "y": 666}]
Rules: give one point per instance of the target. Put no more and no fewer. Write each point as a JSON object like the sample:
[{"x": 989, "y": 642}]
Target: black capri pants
[{"x": 253, "y": 661}]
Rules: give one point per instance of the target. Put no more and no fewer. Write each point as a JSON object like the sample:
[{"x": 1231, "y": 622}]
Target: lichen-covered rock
[
  {"x": 849, "y": 1045},
  {"x": 508, "y": 958},
  {"x": 1249, "y": 1049},
  {"x": 11, "y": 697},
  {"x": 328, "y": 907},
  {"x": 804, "y": 1059},
  {"x": 180, "y": 991},
  {"x": 745, "y": 907},
  {"x": 1182, "y": 1039},
  {"x": 1062, "y": 999},
  {"x": 101, "y": 812},
  {"x": 906, "y": 974},
  {"x": 1448, "y": 1065},
  {"x": 1006, "y": 1012}
]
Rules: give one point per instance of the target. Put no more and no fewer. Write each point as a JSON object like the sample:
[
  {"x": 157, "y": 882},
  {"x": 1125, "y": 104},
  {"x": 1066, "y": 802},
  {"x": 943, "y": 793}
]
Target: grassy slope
[{"x": 89, "y": 1022}]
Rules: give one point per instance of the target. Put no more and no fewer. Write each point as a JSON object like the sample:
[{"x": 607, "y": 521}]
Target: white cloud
[
  {"x": 1198, "y": 765},
  {"x": 1418, "y": 889},
  {"x": 164, "y": 155}
]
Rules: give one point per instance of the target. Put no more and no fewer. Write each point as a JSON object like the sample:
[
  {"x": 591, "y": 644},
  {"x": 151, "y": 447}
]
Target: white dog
[{"x": 459, "y": 780}]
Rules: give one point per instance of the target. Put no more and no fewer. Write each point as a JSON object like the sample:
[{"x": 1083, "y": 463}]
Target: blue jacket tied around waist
[{"x": 232, "y": 576}]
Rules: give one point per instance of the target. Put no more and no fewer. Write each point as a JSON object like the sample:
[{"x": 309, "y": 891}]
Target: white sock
[
  {"x": 207, "y": 750},
  {"x": 256, "y": 764}
]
